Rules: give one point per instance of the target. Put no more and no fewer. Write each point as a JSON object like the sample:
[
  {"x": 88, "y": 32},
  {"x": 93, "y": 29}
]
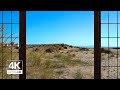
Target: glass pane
[
  {"x": 104, "y": 56},
  {"x": 5, "y": 75},
  {"x": 6, "y": 16},
  {"x": 118, "y": 72},
  {"x": 111, "y": 15},
  {"x": 104, "y": 30},
  {"x": 112, "y": 30},
  {"x": 7, "y": 30},
  {"x": 104, "y": 42},
  {"x": 113, "y": 52},
  {"x": 15, "y": 56},
  {"x": 113, "y": 57},
  {"x": 113, "y": 42},
  {"x": 15, "y": 30},
  {"x": 15, "y": 45},
  {"x": 104, "y": 16},
  {"x": 112, "y": 72},
  {"x": 119, "y": 52},
  {"x": 6, "y": 56},
  {"x": 104, "y": 72},
  {"x": 118, "y": 30},
  {"x": 15, "y": 76},
  {"x": 7, "y": 45},
  {"x": 15, "y": 16},
  {"x": 7, "y": 40},
  {"x": 118, "y": 16}
]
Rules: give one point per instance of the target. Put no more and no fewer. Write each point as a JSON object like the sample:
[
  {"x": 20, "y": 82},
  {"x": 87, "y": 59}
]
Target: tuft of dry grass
[{"x": 78, "y": 75}]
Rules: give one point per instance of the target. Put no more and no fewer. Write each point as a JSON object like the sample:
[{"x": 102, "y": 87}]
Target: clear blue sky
[
  {"x": 112, "y": 28},
  {"x": 15, "y": 27},
  {"x": 69, "y": 27}
]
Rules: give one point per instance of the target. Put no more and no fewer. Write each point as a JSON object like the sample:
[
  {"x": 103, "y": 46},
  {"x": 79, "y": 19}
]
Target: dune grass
[
  {"x": 78, "y": 75},
  {"x": 42, "y": 64},
  {"x": 45, "y": 64}
]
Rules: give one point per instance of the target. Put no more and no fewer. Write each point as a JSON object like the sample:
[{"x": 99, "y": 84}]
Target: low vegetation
[
  {"x": 107, "y": 51},
  {"x": 52, "y": 61},
  {"x": 78, "y": 75}
]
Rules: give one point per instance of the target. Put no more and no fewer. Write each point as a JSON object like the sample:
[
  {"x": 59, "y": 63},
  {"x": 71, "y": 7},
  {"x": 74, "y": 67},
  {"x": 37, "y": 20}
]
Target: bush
[
  {"x": 65, "y": 47},
  {"x": 71, "y": 46},
  {"x": 105, "y": 51},
  {"x": 62, "y": 45},
  {"x": 49, "y": 50},
  {"x": 36, "y": 49}
]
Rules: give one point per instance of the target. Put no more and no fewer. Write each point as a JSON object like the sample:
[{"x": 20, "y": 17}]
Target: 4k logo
[{"x": 14, "y": 67}]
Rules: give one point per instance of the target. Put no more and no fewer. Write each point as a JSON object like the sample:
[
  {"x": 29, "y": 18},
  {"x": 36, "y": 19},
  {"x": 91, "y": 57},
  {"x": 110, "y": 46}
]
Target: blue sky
[
  {"x": 10, "y": 27},
  {"x": 69, "y": 27},
  {"x": 112, "y": 28}
]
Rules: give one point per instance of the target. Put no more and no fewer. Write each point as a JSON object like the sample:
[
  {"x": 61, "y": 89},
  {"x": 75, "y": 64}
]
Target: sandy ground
[
  {"x": 87, "y": 71},
  {"x": 109, "y": 67},
  {"x": 111, "y": 72}
]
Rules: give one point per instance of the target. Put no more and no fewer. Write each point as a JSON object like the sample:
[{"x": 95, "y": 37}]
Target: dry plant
[{"x": 4, "y": 48}]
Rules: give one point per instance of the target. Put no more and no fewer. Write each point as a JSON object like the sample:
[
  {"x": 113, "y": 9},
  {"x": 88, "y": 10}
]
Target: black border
[
  {"x": 81, "y": 5},
  {"x": 59, "y": 5}
]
